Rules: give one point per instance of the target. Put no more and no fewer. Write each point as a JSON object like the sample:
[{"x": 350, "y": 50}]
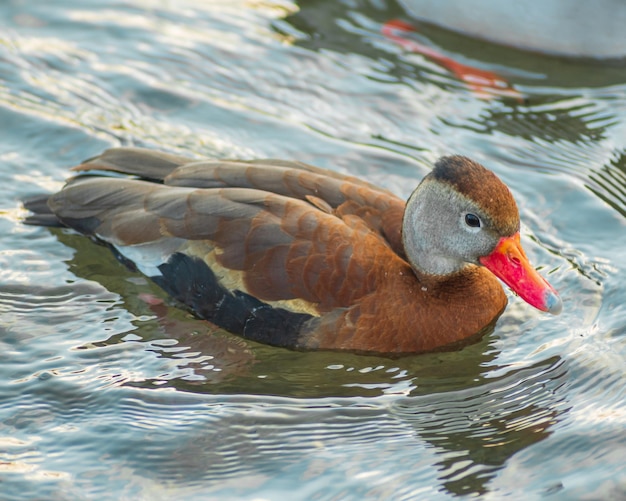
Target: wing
[
  {"x": 273, "y": 247},
  {"x": 141, "y": 162},
  {"x": 329, "y": 191}
]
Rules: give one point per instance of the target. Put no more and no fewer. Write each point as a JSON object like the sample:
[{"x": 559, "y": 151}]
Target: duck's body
[
  {"x": 572, "y": 28},
  {"x": 296, "y": 256}
]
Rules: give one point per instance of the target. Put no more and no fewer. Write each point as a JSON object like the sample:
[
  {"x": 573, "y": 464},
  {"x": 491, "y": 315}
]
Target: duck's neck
[
  {"x": 425, "y": 244},
  {"x": 424, "y": 260}
]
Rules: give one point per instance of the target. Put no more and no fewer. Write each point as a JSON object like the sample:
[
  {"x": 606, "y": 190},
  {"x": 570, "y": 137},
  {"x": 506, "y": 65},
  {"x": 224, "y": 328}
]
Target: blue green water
[{"x": 105, "y": 397}]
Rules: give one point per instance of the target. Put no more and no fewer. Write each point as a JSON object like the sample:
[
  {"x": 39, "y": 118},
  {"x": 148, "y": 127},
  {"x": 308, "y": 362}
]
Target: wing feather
[
  {"x": 141, "y": 162},
  {"x": 284, "y": 248},
  {"x": 327, "y": 190}
]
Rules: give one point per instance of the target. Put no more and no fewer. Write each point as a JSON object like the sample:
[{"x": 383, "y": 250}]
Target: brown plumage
[{"x": 297, "y": 256}]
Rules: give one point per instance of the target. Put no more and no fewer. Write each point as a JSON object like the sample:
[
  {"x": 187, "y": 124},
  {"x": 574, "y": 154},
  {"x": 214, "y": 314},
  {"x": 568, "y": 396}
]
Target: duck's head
[{"x": 461, "y": 215}]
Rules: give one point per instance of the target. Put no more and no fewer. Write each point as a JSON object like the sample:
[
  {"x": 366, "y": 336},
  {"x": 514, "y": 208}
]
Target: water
[{"x": 103, "y": 396}]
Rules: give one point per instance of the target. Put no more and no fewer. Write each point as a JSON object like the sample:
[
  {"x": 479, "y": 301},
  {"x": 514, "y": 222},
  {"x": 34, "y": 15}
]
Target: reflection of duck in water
[
  {"x": 292, "y": 255},
  {"x": 485, "y": 84},
  {"x": 579, "y": 29}
]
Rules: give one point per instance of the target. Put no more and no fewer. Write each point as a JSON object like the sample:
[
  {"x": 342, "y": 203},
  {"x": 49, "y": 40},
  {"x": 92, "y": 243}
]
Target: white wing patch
[{"x": 149, "y": 256}]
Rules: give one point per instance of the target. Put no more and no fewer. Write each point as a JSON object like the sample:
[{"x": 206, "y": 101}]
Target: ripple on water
[
  {"x": 107, "y": 394},
  {"x": 222, "y": 444},
  {"x": 476, "y": 431}
]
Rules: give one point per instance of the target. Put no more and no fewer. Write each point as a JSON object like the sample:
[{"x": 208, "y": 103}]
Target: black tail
[{"x": 41, "y": 214}]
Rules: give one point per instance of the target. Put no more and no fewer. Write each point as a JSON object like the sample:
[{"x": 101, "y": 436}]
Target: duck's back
[{"x": 243, "y": 244}]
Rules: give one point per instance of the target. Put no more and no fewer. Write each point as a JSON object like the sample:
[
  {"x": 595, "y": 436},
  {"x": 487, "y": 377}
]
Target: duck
[
  {"x": 572, "y": 29},
  {"x": 296, "y": 256}
]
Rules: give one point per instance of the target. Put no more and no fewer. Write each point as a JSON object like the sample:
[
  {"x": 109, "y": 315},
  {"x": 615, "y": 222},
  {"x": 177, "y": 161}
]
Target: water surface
[{"x": 104, "y": 396}]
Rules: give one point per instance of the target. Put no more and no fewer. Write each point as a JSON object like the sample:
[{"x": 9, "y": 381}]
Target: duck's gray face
[
  {"x": 462, "y": 214},
  {"x": 448, "y": 228}
]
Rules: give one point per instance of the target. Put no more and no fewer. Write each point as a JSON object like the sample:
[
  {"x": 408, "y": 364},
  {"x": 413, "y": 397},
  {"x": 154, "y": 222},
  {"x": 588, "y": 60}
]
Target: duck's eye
[{"x": 472, "y": 221}]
